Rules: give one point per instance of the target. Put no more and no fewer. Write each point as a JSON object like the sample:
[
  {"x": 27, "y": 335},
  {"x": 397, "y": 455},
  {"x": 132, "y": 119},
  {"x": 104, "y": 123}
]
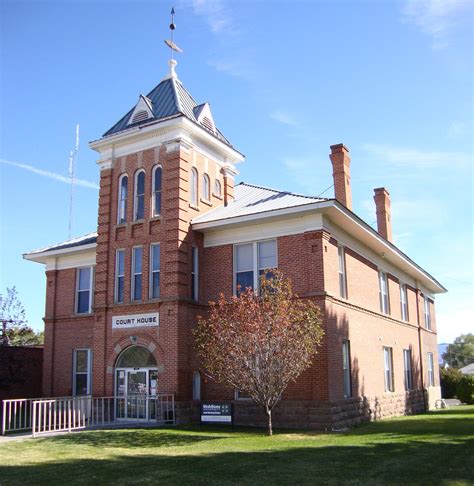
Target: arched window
[
  {"x": 206, "y": 187},
  {"x": 194, "y": 186},
  {"x": 217, "y": 188},
  {"x": 139, "y": 195},
  {"x": 122, "y": 199},
  {"x": 156, "y": 188},
  {"x": 197, "y": 386},
  {"x": 136, "y": 357}
]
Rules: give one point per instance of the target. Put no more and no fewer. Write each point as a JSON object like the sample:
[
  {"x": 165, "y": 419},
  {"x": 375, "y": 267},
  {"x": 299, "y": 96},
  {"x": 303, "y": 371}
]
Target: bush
[
  {"x": 465, "y": 389},
  {"x": 450, "y": 378}
]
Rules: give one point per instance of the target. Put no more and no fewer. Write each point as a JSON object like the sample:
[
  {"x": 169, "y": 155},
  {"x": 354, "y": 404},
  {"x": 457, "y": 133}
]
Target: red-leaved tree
[{"x": 259, "y": 343}]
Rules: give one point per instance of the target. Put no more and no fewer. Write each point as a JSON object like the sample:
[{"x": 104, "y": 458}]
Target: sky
[{"x": 392, "y": 80}]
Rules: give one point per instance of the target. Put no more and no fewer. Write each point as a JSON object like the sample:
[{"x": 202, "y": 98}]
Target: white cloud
[
  {"x": 436, "y": 18},
  {"x": 283, "y": 117},
  {"x": 50, "y": 175},
  {"x": 413, "y": 158},
  {"x": 217, "y": 15}
]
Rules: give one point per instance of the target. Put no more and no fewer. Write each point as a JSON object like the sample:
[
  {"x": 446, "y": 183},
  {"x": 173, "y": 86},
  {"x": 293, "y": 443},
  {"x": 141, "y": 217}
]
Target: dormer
[
  {"x": 204, "y": 117},
  {"x": 143, "y": 111}
]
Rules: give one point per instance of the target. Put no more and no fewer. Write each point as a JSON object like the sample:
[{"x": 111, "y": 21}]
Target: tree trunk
[{"x": 269, "y": 415}]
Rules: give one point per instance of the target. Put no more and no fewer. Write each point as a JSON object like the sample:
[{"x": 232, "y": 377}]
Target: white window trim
[
  {"x": 196, "y": 386},
  {"x": 427, "y": 312},
  {"x": 407, "y": 370},
  {"x": 392, "y": 380},
  {"x": 91, "y": 290},
  {"x": 135, "y": 196},
  {"x": 256, "y": 270},
  {"x": 431, "y": 374},
  {"x": 404, "y": 300},
  {"x": 116, "y": 287},
  {"x": 241, "y": 399},
  {"x": 150, "y": 283},
  {"x": 341, "y": 258},
  {"x": 119, "y": 206},
  {"x": 194, "y": 189},
  {"x": 153, "y": 192},
  {"x": 346, "y": 346},
  {"x": 206, "y": 188},
  {"x": 88, "y": 372},
  {"x": 132, "y": 294},
  {"x": 217, "y": 188},
  {"x": 195, "y": 272},
  {"x": 384, "y": 309}
]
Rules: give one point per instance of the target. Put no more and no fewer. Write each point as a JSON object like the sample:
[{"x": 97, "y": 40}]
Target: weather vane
[{"x": 170, "y": 43}]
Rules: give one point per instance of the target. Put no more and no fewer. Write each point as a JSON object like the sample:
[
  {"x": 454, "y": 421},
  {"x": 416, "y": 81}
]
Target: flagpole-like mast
[{"x": 72, "y": 169}]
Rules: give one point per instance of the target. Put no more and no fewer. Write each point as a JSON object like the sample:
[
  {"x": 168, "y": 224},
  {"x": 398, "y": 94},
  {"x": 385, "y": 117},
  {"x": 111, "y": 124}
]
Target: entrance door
[{"x": 134, "y": 387}]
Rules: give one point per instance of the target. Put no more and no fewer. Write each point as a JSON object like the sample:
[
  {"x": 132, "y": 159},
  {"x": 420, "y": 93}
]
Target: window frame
[
  {"x": 408, "y": 370},
  {"x": 90, "y": 290},
  {"x": 341, "y": 257},
  {"x": 122, "y": 201},
  {"x": 119, "y": 251},
  {"x": 389, "y": 382},
  {"x": 206, "y": 188},
  {"x": 88, "y": 372},
  {"x": 152, "y": 272},
  {"x": 237, "y": 396},
  {"x": 194, "y": 187},
  {"x": 431, "y": 373},
  {"x": 384, "y": 298},
  {"x": 427, "y": 312},
  {"x": 405, "y": 316},
  {"x": 217, "y": 188},
  {"x": 346, "y": 357},
  {"x": 255, "y": 269},
  {"x": 197, "y": 386},
  {"x": 133, "y": 274},
  {"x": 136, "y": 195},
  {"x": 155, "y": 191},
  {"x": 195, "y": 273}
]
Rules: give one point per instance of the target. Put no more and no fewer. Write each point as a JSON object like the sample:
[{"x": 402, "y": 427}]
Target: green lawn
[{"x": 434, "y": 448}]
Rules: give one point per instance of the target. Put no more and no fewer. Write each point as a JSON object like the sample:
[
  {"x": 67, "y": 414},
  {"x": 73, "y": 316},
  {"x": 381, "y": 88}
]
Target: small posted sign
[{"x": 217, "y": 413}]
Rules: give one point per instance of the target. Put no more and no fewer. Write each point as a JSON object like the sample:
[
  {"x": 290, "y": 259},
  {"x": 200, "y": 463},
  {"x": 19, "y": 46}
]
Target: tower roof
[{"x": 167, "y": 100}]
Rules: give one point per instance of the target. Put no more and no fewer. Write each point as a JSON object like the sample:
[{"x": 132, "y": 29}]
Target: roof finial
[{"x": 173, "y": 47}]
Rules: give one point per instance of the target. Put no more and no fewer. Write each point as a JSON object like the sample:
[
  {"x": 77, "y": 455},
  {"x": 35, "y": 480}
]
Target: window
[
  {"x": 155, "y": 271},
  {"x": 427, "y": 312},
  {"x": 342, "y": 272},
  {"x": 84, "y": 286},
  {"x": 123, "y": 194},
  {"x": 157, "y": 186},
  {"x": 137, "y": 256},
  {"x": 206, "y": 187},
  {"x": 384, "y": 302},
  {"x": 388, "y": 369},
  {"x": 217, "y": 188},
  {"x": 431, "y": 376},
  {"x": 194, "y": 186},
  {"x": 404, "y": 302},
  {"x": 407, "y": 369},
  {"x": 197, "y": 386},
  {"x": 238, "y": 395},
  {"x": 346, "y": 368},
  {"x": 252, "y": 260},
  {"x": 139, "y": 195},
  {"x": 119, "y": 275},
  {"x": 81, "y": 374},
  {"x": 195, "y": 274}
]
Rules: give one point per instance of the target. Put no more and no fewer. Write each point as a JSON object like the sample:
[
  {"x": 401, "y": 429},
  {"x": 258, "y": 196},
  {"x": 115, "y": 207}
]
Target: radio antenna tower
[{"x": 72, "y": 168}]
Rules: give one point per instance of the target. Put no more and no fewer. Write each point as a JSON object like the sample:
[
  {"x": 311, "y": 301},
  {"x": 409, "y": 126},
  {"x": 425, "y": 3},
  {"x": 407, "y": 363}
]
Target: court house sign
[{"x": 136, "y": 320}]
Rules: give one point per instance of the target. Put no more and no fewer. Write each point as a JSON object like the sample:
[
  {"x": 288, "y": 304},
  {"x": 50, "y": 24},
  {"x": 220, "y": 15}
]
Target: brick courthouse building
[{"x": 173, "y": 232}]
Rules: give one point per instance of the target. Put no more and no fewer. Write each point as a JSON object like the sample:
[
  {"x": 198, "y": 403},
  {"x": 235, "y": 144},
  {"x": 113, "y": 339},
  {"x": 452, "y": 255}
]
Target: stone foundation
[{"x": 316, "y": 415}]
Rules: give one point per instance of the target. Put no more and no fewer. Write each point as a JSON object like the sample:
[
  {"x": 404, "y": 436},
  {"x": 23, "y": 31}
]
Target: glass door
[{"x": 137, "y": 394}]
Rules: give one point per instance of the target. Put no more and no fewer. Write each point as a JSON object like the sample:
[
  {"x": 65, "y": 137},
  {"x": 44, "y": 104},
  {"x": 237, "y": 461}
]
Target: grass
[{"x": 433, "y": 448}]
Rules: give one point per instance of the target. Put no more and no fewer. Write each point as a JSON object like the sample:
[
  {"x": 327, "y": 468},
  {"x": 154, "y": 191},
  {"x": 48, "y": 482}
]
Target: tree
[
  {"x": 15, "y": 329},
  {"x": 258, "y": 344},
  {"x": 461, "y": 352}
]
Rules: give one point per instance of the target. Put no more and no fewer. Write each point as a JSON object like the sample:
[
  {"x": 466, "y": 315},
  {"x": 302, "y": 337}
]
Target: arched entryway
[{"x": 136, "y": 383}]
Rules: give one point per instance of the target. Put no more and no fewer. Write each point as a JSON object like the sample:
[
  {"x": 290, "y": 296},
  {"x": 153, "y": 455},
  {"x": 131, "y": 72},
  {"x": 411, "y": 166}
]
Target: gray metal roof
[
  {"x": 170, "y": 98},
  {"x": 250, "y": 199},
  {"x": 75, "y": 242}
]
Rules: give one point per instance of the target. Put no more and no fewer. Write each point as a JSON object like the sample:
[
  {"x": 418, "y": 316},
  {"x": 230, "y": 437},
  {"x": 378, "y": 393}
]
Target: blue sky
[{"x": 393, "y": 80}]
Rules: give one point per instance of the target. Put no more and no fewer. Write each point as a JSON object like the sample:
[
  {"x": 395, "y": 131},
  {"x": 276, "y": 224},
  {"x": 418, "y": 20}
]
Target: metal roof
[
  {"x": 169, "y": 98},
  {"x": 250, "y": 199},
  {"x": 88, "y": 239}
]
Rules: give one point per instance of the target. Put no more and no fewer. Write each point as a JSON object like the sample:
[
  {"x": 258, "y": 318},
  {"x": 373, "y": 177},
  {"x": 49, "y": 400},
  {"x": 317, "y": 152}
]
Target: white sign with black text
[{"x": 137, "y": 320}]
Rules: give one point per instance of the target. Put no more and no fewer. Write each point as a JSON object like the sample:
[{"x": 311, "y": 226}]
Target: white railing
[{"x": 47, "y": 415}]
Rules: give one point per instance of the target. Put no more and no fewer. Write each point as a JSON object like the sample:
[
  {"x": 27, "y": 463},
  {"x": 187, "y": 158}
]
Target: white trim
[
  {"x": 116, "y": 275},
  {"x": 195, "y": 272},
  {"x": 135, "y": 195},
  {"x": 143, "y": 104},
  {"x": 152, "y": 272},
  {"x": 119, "y": 198},
  {"x": 153, "y": 173},
  {"x": 88, "y": 372},
  {"x": 90, "y": 290},
  {"x": 194, "y": 186},
  {"x": 133, "y": 274},
  {"x": 206, "y": 180}
]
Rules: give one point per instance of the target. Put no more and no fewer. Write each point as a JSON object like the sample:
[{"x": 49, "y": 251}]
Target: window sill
[
  {"x": 156, "y": 218},
  {"x": 83, "y": 314},
  {"x": 192, "y": 206},
  {"x": 206, "y": 202},
  {"x": 217, "y": 196},
  {"x": 121, "y": 225},
  {"x": 138, "y": 221}
]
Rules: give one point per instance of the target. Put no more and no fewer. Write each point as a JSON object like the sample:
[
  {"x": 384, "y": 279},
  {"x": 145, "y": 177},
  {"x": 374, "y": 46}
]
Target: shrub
[
  {"x": 450, "y": 378},
  {"x": 465, "y": 389}
]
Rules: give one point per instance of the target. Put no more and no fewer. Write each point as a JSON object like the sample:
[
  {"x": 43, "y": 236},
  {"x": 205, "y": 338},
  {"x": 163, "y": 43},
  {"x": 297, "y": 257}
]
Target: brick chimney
[
  {"x": 382, "y": 207},
  {"x": 341, "y": 163}
]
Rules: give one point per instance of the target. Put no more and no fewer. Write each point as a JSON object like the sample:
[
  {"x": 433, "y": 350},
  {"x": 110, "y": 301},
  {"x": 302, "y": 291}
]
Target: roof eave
[{"x": 39, "y": 256}]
